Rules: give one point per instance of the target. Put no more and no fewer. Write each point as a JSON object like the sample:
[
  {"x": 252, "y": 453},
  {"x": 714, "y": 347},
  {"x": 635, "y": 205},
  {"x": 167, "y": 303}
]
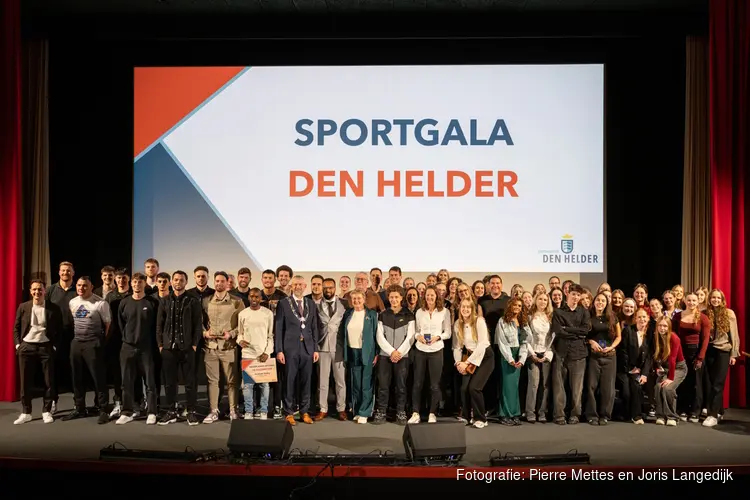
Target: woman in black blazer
[{"x": 634, "y": 358}]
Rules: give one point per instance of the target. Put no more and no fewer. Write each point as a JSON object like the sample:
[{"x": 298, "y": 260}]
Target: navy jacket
[{"x": 288, "y": 329}]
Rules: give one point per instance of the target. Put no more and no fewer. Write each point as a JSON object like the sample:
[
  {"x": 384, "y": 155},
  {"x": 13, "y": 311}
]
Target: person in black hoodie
[
  {"x": 179, "y": 327},
  {"x": 136, "y": 316}
]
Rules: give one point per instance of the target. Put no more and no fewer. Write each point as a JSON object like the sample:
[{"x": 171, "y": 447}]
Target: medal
[{"x": 303, "y": 326}]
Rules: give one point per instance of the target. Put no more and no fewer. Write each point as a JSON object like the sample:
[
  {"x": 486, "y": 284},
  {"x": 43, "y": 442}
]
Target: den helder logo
[
  {"x": 565, "y": 255},
  {"x": 566, "y": 243}
]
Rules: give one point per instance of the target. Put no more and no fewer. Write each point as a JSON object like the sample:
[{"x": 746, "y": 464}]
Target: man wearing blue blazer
[
  {"x": 296, "y": 341},
  {"x": 359, "y": 327}
]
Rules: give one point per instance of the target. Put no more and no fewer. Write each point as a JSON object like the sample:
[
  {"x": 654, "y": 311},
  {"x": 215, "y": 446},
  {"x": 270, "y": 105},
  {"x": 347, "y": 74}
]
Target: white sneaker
[
  {"x": 264, "y": 416},
  {"x": 710, "y": 422},
  {"x": 478, "y": 424},
  {"x": 693, "y": 419},
  {"x": 211, "y": 417},
  {"x": 124, "y": 419},
  {"x": 704, "y": 412},
  {"x": 638, "y": 421},
  {"x": 361, "y": 420},
  {"x": 24, "y": 418},
  {"x": 116, "y": 411},
  {"x": 660, "y": 421},
  {"x": 671, "y": 423},
  {"x": 248, "y": 416},
  {"x": 233, "y": 415},
  {"x": 432, "y": 419},
  {"x": 47, "y": 418},
  {"x": 414, "y": 418},
  {"x": 151, "y": 420}
]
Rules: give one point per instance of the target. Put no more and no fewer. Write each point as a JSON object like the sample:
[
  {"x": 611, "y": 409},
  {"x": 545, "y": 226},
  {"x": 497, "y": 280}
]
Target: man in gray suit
[{"x": 330, "y": 312}]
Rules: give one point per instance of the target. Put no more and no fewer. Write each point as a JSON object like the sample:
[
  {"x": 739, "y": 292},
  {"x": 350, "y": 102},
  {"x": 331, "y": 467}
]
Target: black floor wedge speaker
[
  {"x": 439, "y": 441},
  {"x": 261, "y": 438}
]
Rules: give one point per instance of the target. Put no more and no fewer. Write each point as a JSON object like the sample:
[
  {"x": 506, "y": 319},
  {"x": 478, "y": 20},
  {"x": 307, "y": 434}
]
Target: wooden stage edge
[{"x": 351, "y": 471}]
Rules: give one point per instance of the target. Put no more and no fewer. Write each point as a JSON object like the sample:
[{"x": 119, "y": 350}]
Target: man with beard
[
  {"x": 108, "y": 282},
  {"x": 114, "y": 342},
  {"x": 244, "y": 277},
  {"x": 60, "y": 294},
  {"x": 270, "y": 296},
  {"x": 331, "y": 351}
]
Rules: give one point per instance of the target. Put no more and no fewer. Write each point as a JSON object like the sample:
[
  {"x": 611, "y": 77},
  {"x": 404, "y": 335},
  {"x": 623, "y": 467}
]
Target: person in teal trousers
[
  {"x": 511, "y": 337},
  {"x": 359, "y": 327}
]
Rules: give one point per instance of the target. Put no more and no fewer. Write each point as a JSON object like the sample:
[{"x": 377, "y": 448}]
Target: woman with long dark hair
[
  {"x": 478, "y": 289},
  {"x": 474, "y": 360},
  {"x": 412, "y": 299},
  {"x": 671, "y": 370},
  {"x": 601, "y": 373},
  {"x": 511, "y": 338},
  {"x": 694, "y": 330},
  {"x": 722, "y": 352},
  {"x": 556, "y": 297}
]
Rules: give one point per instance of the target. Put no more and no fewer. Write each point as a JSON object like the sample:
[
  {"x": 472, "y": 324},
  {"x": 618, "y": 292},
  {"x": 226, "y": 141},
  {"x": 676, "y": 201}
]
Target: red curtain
[
  {"x": 729, "y": 60},
  {"x": 10, "y": 196}
]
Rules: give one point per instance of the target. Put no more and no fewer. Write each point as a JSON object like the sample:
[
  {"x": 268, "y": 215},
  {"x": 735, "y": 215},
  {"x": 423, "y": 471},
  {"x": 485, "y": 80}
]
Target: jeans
[
  {"x": 247, "y": 392},
  {"x": 536, "y": 398},
  {"x": 716, "y": 368},
  {"x": 666, "y": 397},
  {"x": 573, "y": 371}
]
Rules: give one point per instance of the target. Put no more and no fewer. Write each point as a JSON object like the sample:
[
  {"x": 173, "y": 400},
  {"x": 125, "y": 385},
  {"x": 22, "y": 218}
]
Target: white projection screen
[{"x": 334, "y": 170}]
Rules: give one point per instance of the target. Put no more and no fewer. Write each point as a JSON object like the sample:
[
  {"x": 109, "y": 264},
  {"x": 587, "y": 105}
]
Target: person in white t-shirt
[
  {"x": 91, "y": 321},
  {"x": 433, "y": 326},
  {"x": 255, "y": 336}
]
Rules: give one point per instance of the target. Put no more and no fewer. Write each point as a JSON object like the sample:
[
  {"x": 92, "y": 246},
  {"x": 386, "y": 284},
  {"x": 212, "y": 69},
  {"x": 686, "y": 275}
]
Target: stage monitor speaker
[
  {"x": 445, "y": 441},
  {"x": 260, "y": 438}
]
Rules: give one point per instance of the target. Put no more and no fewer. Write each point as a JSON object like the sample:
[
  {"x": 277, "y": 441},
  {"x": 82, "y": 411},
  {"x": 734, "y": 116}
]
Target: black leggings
[
  {"x": 432, "y": 363},
  {"x": 472, "y": 386}
]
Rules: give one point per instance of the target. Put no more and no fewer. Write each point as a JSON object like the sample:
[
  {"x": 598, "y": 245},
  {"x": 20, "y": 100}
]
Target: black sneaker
[
  {"x": 379, "y": 417},
  {"x": 507, "y": 421},
  {"x": 192, "y": 419},
  {"x": 277, "y": 415},
  {"x": 169, "y": 418},
  {"x": 401, "y": 418},
  {"x": 103, "y": 418},
  {"x": 75, "y": 414},
  {"x": 603, "y": 421},
  {"x": 516, "y": 421}
]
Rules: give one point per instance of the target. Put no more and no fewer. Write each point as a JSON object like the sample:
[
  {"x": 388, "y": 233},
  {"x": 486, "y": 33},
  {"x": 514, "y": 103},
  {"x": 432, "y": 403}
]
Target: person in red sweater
[
  {"x": 671, "y": 370},
  {"x": 694, "y": 330}
]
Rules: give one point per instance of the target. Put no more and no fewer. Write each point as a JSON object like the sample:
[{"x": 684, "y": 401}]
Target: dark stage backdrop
[{"x": 91, "y": 132}]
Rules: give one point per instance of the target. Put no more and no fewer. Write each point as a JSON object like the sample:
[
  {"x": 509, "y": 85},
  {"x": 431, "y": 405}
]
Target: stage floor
[{"x": 617, "y": 444}]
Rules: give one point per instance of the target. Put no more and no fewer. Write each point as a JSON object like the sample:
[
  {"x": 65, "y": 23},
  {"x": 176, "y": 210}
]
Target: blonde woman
[
  {"x": 627, "y": 313},
  {"x": 540, "y": 358},
  {"x": 679, "y": 294},
  {"x": 586, "y": 299},
  {"x": 635, "y": 358},
  {"x": 474, "y": 360},
  {"x": 538, "y": 288},
  {"x": 670, "y": 304},
  {"x": 671, "y": 370},
  {"x": 694, "y": 330},
  {"x": 528, "y": 299},
  {"x": 618, "y": 298},
  {"x": 722, "y": 352},
  {"x": 464, "y": 292}
]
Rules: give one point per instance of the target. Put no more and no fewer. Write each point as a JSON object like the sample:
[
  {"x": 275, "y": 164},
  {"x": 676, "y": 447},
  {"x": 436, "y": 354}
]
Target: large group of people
[{"x": 395, "y": 349}]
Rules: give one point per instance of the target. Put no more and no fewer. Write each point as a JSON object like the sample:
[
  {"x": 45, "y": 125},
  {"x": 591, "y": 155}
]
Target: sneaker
[
  {"x": 277, "y": 415},
  {"x": 414, "y": 418},
  {"x": 24, "y": 418},
  {"x": 432, "y": 419},
  {"x": 233, "y": 415},
  {"x": 660, "y": 421},
  {"x": 573, "y": 420},
  {"x": 704, "y": 412},
  {"x": 74, "y": 415},
  {"x": 683, "y": 417},
  {"x": 211, "y": 417},
  {"x": 542, "y": 419},
  {"x": 480, "y": 424},
  {"x": 192, "y": 419},
  {"x": 710, "y": 422},
  {"x": 263, "y": 416},
  {"x": 560, "y": 421},
  {"x": 256, "y": 414},
  {"x": 638, "y": 421},
  {"x": 694, "y": 419},
  {"x": 379, "y": 417},
  {"x": 361, "y": 420},
  {"x": 603, "y": 421},
  {"x": 652, "y": 413},
  {"x": 169, "y": 418},
  {"x": 516, "y": 421},
  {"x": 47, "y": 418},
  {"x": 136, "y": 413},
  {"x": 671, "y": 422},
  {"x": 103, "y": 418},
  {"x": 401, "y": 418},
  {"x": 151, "y": 420},
  {"x": 462, "y": 420},
  {"x": 116, "y": 411},
  {"x": 531, "y": 419},
  {"x": 124, "y": 419},
  {"x": 248, "y": 415},
  {"x": 593, "y": 421}
]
